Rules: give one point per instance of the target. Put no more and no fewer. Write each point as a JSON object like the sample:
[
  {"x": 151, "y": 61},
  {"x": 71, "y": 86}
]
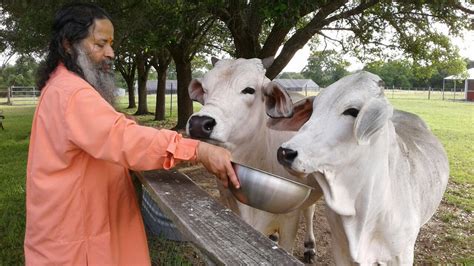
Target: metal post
[
  {"x": 171, "y": 102},
  {"x": 443, "y": 89},
  {"x": 465, "y": 89},
  {"x": 429, "y": 92},
  {"x": 454, "y": 89}
]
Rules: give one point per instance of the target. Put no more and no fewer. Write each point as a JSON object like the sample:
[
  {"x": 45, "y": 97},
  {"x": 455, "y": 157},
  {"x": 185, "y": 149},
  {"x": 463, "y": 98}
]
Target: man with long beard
[{"x": 80, "y": 202}]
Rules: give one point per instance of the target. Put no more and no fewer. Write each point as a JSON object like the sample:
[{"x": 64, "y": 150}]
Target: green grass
[
  {"x": 13, "y": 157},
  {"x": 452, "y": 122}
]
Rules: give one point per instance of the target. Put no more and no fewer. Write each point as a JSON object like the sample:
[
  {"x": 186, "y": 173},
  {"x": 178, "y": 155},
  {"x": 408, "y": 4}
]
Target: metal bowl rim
[{"x": 277, "y": 176}]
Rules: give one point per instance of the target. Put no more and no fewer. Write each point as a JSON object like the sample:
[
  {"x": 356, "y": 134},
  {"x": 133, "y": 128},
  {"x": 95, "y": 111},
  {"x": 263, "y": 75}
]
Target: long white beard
[{"x": 102, "y": 79}]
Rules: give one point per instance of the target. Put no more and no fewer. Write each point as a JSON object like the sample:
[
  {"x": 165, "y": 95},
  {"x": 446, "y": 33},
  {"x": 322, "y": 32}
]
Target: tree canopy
[
  {"x": 406, "y": 74},
  {"x": 22, "y": 73},
  {"x": 372, "y": 27},
  {"x": 325, "y": 67},
  {"x": 369, "y": 29}
]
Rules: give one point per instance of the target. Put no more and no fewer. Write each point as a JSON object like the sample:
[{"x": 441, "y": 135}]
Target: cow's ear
[
  {"x": 371, "y": 118},
  {"x": 277, "y": 101},
  {"x": 302, "y": 111},
  {"x": 214, "y": 60},
  {"x": 196, "y": 92},
  {"x": 267, "y": 62}
]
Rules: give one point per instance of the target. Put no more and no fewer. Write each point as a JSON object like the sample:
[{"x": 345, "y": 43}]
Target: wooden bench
[{"x": 220, "y": 235}]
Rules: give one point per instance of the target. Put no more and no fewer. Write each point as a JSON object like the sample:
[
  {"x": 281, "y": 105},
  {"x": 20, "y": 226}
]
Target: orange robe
[{"x": 81, "y": 207}]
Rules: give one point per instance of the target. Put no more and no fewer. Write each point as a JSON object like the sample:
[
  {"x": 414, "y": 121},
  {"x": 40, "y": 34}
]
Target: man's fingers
[
  {"x": 224, "y": 181},
  {"x": 232, "y": 176}
]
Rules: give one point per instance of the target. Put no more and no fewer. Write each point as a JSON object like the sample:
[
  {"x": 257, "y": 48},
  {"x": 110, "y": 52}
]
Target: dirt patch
[{"x": 446, "y": 238}]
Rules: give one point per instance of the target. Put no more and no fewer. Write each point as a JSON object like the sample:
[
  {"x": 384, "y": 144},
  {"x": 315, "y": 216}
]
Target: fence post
[
  {"x": 454, "y": 89},
  {"x": 443, "y": 90},
  {"x": 171, "y": 100},
  {"x": 429, "y": 92}
]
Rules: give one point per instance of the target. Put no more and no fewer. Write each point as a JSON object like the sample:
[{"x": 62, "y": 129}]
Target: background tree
[
  {"x": 325, "y": 67},
  {"x": 22, "y": 73},
  {"x": 396, "y": 73},
  {"x": 161, "y": 62},
  {"x": 442, "y": 64},
  {"x": 126, "y": 65},
  {"x": 291, "y": 75},
  {"x": 143, "y": 60},
  {"x": 368, "y": 29},
  {"x": 136, "y": 40},
  {"x": 406, "y": 74},
  {"x": 192, "y": 25},
  {"x": 260, "y": 28}
]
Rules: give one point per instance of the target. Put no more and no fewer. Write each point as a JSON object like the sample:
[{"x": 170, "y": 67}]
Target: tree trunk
[
  {"x": 127, "y": 68},
  {"x": 161, "y": 68},
  {"x": 131, "y": 94},
  {"x": 161, "y": 94},
  {"x": 142, "y": 72},
  {"x": 185, "y": 105}
]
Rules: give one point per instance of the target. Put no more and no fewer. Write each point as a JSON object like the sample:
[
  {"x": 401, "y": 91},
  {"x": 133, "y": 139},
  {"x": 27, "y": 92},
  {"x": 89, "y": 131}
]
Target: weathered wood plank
[{"x": 218, "y": 233}]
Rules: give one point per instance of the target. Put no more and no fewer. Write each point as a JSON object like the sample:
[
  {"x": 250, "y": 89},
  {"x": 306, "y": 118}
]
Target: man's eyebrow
[{"x": 104, "y": 40}]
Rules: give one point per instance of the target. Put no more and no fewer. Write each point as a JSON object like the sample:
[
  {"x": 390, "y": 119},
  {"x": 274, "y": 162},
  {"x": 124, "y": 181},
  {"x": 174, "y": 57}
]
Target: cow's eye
[
  {"x": 248, "y": 90},
  {"x": 351, "y": 111}
]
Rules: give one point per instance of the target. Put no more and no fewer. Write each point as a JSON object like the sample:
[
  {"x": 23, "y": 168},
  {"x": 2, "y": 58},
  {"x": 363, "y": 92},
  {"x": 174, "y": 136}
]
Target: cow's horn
[{"x": 267, "y": 62}]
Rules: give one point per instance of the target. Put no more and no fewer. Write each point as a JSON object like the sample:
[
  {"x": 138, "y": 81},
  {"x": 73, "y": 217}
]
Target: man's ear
[
  {"x": 371, "y": 118},
  {"x": 302, "y": 111},
  {"x": 277, "y": 101},
  {"x": 196, "y": 92},
  {"x": 67, "y": 46}
]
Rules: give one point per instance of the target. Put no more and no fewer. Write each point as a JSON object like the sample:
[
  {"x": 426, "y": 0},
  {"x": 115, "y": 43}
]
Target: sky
[{"x": 299, "y": 60}]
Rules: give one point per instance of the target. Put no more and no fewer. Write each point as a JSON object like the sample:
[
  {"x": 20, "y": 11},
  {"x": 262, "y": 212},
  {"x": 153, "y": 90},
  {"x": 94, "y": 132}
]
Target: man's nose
[{"x": 109, "y": 52}]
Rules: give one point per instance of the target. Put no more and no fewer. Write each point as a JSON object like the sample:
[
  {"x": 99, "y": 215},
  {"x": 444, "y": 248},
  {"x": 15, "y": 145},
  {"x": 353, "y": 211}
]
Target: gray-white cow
[
  {"x": 233, "y": 116},
  {"x": 383, "y": 172}
]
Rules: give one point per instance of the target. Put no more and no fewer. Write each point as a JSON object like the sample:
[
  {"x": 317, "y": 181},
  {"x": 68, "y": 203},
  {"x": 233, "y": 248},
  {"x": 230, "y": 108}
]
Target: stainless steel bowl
[{"x": 268, "y": 192}]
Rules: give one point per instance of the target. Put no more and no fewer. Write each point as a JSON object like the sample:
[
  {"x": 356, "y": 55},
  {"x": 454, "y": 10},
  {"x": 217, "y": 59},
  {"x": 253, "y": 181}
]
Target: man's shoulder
[{"x": 66, "y": 81}]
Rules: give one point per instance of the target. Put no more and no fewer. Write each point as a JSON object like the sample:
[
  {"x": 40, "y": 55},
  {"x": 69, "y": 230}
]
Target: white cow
[
  {"x": 233, "y": 116},
  {"x": 383, "y": 172}
]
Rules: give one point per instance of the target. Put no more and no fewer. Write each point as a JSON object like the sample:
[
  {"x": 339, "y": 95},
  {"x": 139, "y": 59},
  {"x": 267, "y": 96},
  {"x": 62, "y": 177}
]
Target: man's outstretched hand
[{"x": 217, "y": 161}]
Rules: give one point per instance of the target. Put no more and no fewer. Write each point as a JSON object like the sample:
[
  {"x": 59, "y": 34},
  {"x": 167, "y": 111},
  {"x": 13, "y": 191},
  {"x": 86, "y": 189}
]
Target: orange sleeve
[{"x": 95, "y": 127}]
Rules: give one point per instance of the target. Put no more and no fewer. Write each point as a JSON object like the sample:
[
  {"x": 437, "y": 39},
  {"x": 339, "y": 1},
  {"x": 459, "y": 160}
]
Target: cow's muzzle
[
  {"x": 201, "y": 127},
  {"x": 286, "y": 156}
]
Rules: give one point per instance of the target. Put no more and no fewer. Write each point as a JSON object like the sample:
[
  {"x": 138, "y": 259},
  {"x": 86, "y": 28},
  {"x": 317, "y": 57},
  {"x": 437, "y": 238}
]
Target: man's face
[
  {"x": 95, "y": 58},
  {"x": 98, "y": 45}
]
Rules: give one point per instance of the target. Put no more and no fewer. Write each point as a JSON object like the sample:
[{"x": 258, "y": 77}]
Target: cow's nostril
[
  {"x": 201, "y": 126},
  {"x": 209, "y": 125},
  {"x": 286, "y": 156}
]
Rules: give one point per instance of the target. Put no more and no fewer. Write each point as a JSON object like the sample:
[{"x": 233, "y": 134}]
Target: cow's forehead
[
  {"x": 356, "y": 88},
  {"x": 235, "y": 71}
]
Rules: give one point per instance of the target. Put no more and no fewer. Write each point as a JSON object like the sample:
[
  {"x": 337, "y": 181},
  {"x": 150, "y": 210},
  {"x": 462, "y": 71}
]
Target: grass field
[{"x": 452, "y": 122}]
